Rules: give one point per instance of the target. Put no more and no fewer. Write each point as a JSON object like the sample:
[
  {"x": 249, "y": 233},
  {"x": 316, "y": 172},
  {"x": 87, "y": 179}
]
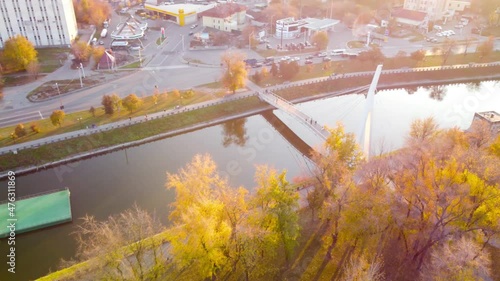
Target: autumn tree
[
  {"x": 132, "y": 102},
  {"x": 1, "y": 86},
  {"x": 418, "y": 56},
  {"x": 92, "y": 11},
  {"x": 123, "y": 247},
  {"x": 20, "y": 131},
  {"x": 205, "y": 220},
  {"x": 235, "y": 72},
  {"x": 458, "y": 259},
  {"x": 486, "y": 48},
  {"x": 274, "y": 69},
  {"x": 107, "y": 103},
  {"x": 18, "y": 53},
  {"x": 81, "y": 50},
  {"x": 33, "y": 68},
  {"x": 447, "y": 49},
  {"x": 373, "y": 55},
  {"x": 97, "y": 53},
  {"x": 276, "y": 202},
  {"x": 117, "y": 102},
  {"x": 57, "y": 117},
  {"x": 320, "y": 40},
  {"x": 288, "y": 69},
  {"x": 280, "y": 11},
  {"x": 92, "y": 111}
]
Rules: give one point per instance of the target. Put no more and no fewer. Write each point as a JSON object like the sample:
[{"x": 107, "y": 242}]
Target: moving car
[
  {"x": 194, "y": 26},
  {"x": 308, "y": 62}
]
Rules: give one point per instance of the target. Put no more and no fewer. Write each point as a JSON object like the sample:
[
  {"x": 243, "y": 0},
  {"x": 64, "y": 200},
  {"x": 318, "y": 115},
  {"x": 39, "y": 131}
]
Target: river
[{"x": 110, "y": 183}]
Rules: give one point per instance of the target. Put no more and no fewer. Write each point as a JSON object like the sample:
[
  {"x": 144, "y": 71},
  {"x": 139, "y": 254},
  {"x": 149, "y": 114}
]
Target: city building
[
  {"x": 437, "y": 9},
  {"x": 491, "y": 117},
  {"x": 411, "y": 17},
  {"x": 225, "y": 17},
  {"x": 289, "y": 28},
  {"x": 43, "y": 22},
  {"x": 181, "y": 14},
  {"x": 130, "y": 29}
]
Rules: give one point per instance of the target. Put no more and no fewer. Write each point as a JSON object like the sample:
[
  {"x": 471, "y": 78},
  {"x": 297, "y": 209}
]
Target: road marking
[{"x": 21, "y": 115}]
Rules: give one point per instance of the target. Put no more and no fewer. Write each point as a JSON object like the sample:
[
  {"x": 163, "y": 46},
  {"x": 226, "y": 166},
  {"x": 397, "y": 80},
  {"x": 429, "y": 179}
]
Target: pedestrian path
[{"x": 118, "y": 124}]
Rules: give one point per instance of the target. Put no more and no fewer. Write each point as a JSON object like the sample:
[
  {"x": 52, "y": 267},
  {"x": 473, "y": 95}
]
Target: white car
[
  {"x": 296, "y": 59},
  {"x": 440, "y": 34},
  {"x": 194, "y": 26},
  {"x": 285, "y": 58}
]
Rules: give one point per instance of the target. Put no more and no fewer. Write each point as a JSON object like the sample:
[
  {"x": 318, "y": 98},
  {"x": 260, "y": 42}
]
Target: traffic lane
[{"x": 142, "y": 84}]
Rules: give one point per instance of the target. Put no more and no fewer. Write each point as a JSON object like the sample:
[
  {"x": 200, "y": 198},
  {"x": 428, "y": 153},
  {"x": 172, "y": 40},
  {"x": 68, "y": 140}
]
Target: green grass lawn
[
  {"x": 79, "y": 120},
  {"x": 50, "y": 58},
  {"x": 136, "y": 64}
]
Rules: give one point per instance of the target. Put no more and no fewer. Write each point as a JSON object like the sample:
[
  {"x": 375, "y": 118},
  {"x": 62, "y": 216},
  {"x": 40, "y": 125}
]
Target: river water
[{"x": 108, "y": 184}]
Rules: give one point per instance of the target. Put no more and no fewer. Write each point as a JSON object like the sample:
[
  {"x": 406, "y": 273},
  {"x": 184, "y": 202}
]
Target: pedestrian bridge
[
  {"x": 318, "y": 129},
  {"x": 288, "y": 107}
]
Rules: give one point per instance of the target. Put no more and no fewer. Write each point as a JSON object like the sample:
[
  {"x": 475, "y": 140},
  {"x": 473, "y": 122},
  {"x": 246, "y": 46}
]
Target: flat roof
[
  {"x": 317, "y": 24},
  {"x": 490, "y": 116},
  {"x": 174, "y": 8},
  {"x": 36, "y": 212}
]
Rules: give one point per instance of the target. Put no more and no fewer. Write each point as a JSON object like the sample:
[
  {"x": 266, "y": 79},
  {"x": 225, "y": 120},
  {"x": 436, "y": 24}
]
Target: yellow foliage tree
[
  {"x": 235, "y": 72},
  {"x": 18, "y": 53}
]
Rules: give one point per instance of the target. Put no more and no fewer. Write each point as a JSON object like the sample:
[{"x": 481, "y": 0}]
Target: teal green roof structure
[{"x": 35, "y": 212}]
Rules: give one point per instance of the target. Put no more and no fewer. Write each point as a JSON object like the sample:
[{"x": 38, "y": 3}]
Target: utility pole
[
  {"x": 282, "y": 27},
  {"x": 80, "y": 74}
]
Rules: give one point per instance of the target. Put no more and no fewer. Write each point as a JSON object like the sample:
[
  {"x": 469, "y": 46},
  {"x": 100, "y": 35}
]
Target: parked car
[
  {"x": 295, "y": 59},
  {"x": 101, "y": 42},
  {"x": 327, "y": 59},
  {"x": 194, "y": 26},
  {"x": 459, "y": 26},
  {"x": 191, "y": 33},
  {"x": 309, "y": 57},
  {"x": 322, "y": 55},
  {"x": 268, "y": 46}
]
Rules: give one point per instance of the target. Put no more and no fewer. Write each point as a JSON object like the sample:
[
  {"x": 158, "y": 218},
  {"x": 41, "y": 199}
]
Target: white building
[
  {"x": 289, "y": 28},
  {"x": 43, "y": 22},
  {"x": 226, "y": 17},
  {"x": 437, "y": 9}
]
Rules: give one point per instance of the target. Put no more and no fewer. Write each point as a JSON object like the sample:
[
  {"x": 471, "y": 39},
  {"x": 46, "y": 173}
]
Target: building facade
[
  {"x": 437, "y": 9},
  {"x": 43, "y": 22},
  {"x": 289, "y": 28},
  {"x": 225, "y": 17},
  {"x": 492, "y": 118}
]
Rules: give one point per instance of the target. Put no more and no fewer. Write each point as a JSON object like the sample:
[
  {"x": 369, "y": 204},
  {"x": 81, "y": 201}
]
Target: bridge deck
[{"x": 291, "y": 109}]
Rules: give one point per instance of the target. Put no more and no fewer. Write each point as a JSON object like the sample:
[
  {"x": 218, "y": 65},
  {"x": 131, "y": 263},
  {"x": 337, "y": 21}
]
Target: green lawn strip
[
  {"x": 59, "y": 150},
  {"x": 136, "y": 64},
  {"x": 72, "y": 121}
]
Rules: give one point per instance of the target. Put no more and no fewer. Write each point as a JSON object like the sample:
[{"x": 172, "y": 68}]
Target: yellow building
[{"x": 181, "y": 14}]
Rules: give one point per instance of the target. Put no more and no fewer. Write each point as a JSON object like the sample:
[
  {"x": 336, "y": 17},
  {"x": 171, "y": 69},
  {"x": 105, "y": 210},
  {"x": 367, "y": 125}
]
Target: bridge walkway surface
[{"x": 291, "y": 109}]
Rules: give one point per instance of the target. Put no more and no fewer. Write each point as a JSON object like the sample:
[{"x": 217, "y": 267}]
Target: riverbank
[{"x": 53, "y": 154}]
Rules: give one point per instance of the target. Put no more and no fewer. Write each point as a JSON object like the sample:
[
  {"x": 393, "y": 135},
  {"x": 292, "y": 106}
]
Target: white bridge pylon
[{"x": 365, "y": 138}]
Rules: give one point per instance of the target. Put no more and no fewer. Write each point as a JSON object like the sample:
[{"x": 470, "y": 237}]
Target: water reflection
[
  {"x": 234, "y": 132},
  {"x": 437, "y": 92}
]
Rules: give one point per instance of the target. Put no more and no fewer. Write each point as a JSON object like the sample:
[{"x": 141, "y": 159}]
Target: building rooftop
[
  {"x": 37, "y": 212},
  {"x": 174, "y": 9},
  {"x": 224, "y": 10},
  {"x": 409, "y": 14},
  {"x": 490, "y": 116},
  {"x": 318, "y": 24}
]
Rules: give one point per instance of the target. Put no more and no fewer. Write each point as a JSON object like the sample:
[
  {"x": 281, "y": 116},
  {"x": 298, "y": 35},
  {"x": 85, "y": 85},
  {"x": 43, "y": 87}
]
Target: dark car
[
  {"x": 308, "y": 62},
  {"x": 309, "y": 57},
  {"x": 191, "y": 33}
]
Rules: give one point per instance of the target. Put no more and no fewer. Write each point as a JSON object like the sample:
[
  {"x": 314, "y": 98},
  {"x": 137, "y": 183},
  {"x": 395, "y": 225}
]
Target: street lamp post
[
  {"x": 282, "y": 27},
  {"x": 80, "y": 75},
  {"x": 59, "y": 95},
  {"x": 79, "y": 119},
  {"x": 83, "y": 70}
]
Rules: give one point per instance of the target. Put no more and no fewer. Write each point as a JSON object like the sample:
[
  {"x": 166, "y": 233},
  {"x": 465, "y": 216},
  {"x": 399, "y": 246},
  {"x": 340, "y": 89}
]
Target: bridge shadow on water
[{"x": 288, "y": 134}]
